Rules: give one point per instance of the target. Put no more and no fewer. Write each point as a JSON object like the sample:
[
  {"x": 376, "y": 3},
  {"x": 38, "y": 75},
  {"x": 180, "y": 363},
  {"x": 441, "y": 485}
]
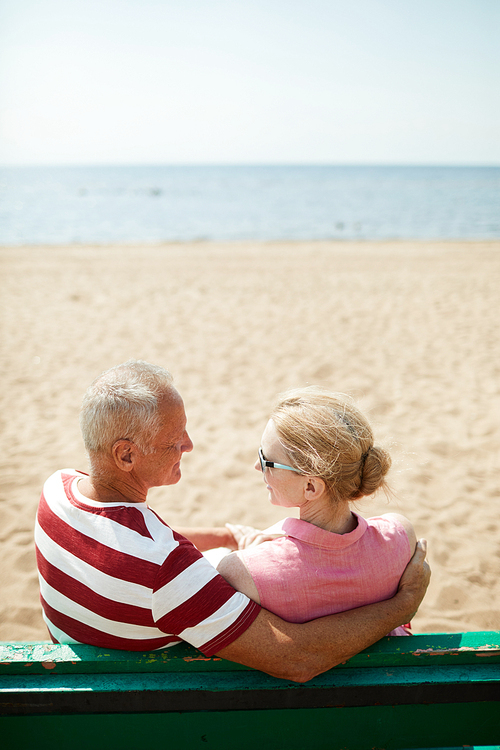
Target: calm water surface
[{"x": 56, "y": 205}]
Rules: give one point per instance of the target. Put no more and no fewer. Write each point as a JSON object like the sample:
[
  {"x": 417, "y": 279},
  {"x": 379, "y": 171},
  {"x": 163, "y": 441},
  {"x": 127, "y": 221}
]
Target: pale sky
[{"x": 250, "y": 81}]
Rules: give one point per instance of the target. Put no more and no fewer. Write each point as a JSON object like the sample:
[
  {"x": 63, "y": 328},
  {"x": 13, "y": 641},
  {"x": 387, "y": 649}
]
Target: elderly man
[{"x": 113, "y": 574}]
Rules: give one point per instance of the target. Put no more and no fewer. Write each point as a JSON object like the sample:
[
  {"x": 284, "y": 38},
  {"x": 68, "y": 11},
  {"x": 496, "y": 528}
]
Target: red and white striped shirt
[{"x": 115, "y": 575}]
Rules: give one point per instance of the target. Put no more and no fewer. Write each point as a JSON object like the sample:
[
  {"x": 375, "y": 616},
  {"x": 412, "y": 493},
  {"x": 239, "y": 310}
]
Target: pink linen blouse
[{"x": 311, "y": 572}]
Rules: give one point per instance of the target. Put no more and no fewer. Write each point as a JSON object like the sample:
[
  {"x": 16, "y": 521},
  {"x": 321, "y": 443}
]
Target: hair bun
[{"x": 376, "y": 462}]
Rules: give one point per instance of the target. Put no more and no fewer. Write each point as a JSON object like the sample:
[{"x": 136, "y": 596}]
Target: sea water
[{"x": 56, "y": 205}]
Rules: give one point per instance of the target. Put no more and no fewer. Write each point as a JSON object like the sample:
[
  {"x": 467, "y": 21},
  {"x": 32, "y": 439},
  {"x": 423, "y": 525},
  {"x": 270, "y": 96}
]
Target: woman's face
[{"x": 286, "y": 488}]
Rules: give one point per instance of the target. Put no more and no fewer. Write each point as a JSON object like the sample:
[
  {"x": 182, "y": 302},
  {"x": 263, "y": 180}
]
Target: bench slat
[{"x": 425, "y": 691}]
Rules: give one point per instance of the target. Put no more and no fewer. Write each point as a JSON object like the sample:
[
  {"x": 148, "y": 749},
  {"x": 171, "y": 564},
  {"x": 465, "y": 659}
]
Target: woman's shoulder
[
  {"x": 397, "y": 519},
  {"x": 233, "y": 568}
]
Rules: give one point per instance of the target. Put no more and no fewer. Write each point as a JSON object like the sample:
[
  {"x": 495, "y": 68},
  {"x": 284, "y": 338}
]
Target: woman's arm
[
  {"x": 233, "y": 568},
  {"x": 233, "y": 536}
]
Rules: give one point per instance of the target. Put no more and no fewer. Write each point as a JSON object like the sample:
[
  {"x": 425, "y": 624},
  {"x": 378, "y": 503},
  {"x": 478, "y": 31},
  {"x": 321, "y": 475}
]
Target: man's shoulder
[{"x": 60, "y": 474}]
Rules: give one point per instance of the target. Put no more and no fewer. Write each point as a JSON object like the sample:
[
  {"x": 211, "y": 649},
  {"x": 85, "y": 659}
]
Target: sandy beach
[{"x": 410, "y": 329}]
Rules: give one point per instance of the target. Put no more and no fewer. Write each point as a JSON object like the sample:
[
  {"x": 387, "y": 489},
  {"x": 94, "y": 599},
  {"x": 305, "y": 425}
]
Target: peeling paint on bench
[{"x": 432, "y": 690}]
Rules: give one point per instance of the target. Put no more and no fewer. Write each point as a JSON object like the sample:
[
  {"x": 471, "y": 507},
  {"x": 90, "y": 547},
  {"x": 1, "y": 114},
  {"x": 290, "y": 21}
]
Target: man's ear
[
  {"x": 315, "y": 488},
  {"x": 125, "y": 454}
]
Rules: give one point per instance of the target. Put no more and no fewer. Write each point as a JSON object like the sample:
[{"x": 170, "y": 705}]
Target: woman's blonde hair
[{"x": 325, "y": 435}]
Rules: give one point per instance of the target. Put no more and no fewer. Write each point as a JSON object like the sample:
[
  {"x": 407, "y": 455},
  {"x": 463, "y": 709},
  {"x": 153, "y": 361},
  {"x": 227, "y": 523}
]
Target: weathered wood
[
  {"x": 418, "y": 650},
  {"x": 446, "y": 687}
]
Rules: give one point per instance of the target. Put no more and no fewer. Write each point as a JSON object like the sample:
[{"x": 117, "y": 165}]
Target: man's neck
[{"x": 110, "y": 491}]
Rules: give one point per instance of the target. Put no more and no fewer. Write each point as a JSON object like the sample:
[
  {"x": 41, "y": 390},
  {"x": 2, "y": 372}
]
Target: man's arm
[
  {"x": 233, "y": 536},
  {"x": 205, "y": 538},
  {"x": 300, "y": 652}
]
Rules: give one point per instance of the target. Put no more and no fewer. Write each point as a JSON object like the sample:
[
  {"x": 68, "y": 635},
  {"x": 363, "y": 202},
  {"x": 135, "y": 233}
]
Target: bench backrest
[{"x": 433, "y": 690}]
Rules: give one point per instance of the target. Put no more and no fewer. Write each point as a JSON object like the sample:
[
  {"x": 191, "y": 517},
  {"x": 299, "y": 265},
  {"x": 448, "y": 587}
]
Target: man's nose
[{"x": 187, "y": 445}]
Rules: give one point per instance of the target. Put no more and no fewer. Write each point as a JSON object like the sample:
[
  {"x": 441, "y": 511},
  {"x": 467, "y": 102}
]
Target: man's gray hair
[{"x": 123, "y": 403}]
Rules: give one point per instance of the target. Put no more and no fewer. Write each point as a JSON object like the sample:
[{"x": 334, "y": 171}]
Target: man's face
[{"x": 162, "y": 466}]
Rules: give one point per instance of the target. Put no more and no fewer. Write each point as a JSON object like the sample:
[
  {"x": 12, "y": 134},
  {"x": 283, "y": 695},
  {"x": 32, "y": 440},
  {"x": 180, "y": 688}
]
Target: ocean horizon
[{"x": 110, "y": 204}]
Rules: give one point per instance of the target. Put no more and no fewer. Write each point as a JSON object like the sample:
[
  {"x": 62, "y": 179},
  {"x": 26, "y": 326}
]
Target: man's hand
[{"x": 415, "y": 579}]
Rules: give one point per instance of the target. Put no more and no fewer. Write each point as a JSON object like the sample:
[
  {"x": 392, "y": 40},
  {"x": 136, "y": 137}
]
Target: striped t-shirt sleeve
[{"x": 191, "y": 600}]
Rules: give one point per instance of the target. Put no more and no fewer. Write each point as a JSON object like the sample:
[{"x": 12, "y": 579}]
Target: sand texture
[{"x": 411, "y": 329}]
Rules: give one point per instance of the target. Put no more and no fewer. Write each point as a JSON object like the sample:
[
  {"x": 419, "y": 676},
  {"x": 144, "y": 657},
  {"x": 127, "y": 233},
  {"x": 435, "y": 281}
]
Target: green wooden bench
[{"x": 425, "y": 691}]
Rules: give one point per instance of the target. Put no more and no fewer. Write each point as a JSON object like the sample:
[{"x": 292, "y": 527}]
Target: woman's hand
[{"x": 247, "y": 536}]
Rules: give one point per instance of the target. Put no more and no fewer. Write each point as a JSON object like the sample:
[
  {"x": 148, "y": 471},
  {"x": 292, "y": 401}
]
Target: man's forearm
[
  {"x": 300, "y": 652},
  {"x": 208, "y": 538},
  {"x": 347, "y": 633}
]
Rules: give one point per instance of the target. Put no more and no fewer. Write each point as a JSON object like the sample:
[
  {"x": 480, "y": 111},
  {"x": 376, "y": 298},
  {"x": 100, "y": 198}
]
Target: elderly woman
[{"x": 318, "y": 455}]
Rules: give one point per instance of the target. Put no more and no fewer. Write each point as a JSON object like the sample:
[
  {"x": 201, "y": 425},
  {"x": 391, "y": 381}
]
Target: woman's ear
[
  {"x": 315, "y": 488},
  {"x": 125, "y": 454}
]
